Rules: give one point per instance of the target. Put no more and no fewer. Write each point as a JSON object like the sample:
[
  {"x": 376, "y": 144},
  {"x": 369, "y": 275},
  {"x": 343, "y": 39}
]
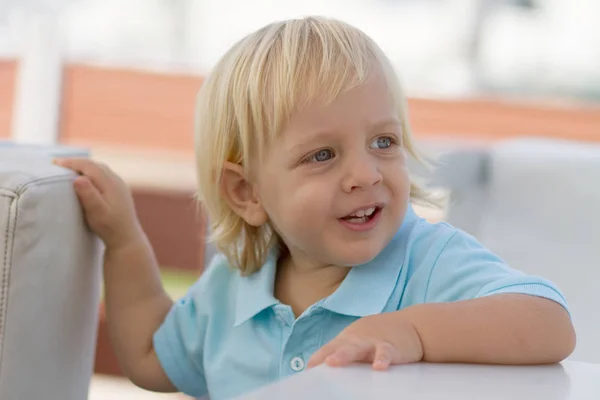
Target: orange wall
[
  {"x": 8, "y": 69},
  {"x": 152, "y": 110},
  {"x": 498, "y": 119},
  {"x": 131, "y": 108}
]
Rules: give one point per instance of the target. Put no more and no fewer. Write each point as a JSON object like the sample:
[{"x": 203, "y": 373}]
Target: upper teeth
[{"x": 362, "y": 213}]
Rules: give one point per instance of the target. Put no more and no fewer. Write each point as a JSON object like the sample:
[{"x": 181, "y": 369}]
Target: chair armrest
[{"x": 50, "y": 271}]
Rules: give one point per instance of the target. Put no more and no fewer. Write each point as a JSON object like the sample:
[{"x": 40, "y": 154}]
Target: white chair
[
  {"x": 537, "y": 205},
  {"x": 50, "y": 270}
]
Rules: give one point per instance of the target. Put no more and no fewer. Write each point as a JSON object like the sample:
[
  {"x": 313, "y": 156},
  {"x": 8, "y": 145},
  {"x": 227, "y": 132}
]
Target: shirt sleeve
[
  {"x": 179, "y": 345},
  {"x": 465, "y": 269}
]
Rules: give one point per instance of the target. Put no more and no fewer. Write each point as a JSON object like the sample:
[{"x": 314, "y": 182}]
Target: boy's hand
[
  {"x": 380, "y": 340},
  {"x": 106, "y": 201}
]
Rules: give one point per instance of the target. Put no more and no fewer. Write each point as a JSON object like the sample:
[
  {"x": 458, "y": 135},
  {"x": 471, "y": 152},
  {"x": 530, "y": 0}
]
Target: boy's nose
[{"x": 361, "y": 174}]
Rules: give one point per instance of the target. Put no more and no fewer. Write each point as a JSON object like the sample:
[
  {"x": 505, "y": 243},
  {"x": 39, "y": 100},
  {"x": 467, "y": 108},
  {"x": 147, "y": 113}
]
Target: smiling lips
[
  {"x": 363, "y": 219},
  {"x": 360, "y": 215}
]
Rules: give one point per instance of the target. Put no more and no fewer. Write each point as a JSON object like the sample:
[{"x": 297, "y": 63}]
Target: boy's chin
[{"x": 354, "y": 257}]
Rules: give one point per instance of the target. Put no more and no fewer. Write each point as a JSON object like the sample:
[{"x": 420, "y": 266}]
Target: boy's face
[{"x": 334, "y": 184}]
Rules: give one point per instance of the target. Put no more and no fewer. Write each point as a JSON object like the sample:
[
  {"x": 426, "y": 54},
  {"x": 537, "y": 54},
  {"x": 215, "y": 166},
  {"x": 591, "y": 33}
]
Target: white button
[{"x": 297, "y": 364}]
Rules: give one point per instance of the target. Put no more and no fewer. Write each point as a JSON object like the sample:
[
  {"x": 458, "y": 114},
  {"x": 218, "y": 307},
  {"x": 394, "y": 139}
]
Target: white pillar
[{"x": 38, "y": 89}]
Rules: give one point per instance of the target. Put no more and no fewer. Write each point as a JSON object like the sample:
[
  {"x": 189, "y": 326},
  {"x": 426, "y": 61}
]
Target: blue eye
[
  {"x": 382, "y": 143},
  {"x": 321, "y": 156}
]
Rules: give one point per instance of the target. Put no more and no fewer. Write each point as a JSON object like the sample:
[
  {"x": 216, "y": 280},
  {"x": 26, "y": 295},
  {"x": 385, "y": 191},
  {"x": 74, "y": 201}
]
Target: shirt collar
[
  {"x": 365, "y": 290},
  {"x": 256, "y": 292},
  {"x": 368, "y": 287}
]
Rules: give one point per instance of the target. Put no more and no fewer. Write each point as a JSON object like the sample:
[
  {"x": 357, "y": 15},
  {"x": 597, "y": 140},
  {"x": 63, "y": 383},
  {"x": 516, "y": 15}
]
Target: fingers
[
  {"x": 320, "y": 355},
  {"x": 349, "y": 353},
  {"x": 340, "y": 353},
  {"x": 96, "y": 173},
  {"x": 385, "y": 354},
  {"x": 91, "y": 199}
]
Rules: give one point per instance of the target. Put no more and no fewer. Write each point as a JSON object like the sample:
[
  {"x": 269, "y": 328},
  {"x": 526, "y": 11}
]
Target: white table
[{"x": 566, "y": 381}]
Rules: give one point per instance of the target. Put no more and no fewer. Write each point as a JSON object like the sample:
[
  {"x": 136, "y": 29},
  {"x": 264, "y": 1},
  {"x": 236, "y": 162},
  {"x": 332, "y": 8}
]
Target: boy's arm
[
  {"x": 470, "y": 306},
  {"x": 136, "y": 304},
  {"x": 135, "y": 301},
  {"x": 499, "y": 329},
  {"x": 463, "y": 304}
]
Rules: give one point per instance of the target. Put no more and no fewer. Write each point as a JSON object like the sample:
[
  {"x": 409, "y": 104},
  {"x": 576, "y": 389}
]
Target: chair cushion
[{"x": 50, "y": 270}]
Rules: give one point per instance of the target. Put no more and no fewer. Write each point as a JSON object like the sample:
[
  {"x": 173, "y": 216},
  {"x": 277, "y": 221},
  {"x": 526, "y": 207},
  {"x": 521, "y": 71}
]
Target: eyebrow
[
  {"x": 309, "y": 139},
  {"x": 387, "y": 122}
]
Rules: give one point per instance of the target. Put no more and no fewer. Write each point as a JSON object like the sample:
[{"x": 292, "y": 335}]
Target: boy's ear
[{"x": 239, "y": 195}]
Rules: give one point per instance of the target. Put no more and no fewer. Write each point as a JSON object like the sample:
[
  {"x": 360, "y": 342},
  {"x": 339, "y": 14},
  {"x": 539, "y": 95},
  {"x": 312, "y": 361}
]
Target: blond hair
[{"x": 250, "y": 95}]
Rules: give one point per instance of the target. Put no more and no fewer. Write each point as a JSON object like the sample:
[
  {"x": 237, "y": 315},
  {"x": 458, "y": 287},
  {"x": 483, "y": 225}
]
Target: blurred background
[
  {"x": 120, "y": 78},
  {"x": 443, "y": 48}
]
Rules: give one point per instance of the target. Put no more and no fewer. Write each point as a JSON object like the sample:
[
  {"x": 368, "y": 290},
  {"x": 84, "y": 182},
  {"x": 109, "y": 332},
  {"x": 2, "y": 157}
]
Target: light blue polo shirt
[{"x": 228, "y": 335}]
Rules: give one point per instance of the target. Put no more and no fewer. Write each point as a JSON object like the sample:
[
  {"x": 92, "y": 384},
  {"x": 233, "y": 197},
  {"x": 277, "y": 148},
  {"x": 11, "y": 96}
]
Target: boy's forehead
[
  {"x": 321, "y": 122},
  {"x": 365, "y": 107},
  {"x": 354, "y": 107}
]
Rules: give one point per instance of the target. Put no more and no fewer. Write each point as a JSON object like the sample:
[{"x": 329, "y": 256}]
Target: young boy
[{"x": 302, "y": 139}]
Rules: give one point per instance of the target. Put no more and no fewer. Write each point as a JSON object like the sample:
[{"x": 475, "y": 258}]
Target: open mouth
[{"x": 362, "y": 216}]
